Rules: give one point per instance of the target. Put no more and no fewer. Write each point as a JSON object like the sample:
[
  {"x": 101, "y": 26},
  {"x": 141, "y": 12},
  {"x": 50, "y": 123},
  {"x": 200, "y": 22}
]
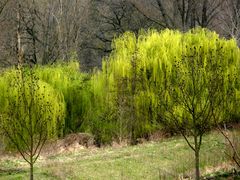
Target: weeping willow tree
[
  {"x": 31, "y": 112},
  {"x": 67, "y": 79},
  {"x": 132, "y": 80},
  {"x": 183, "y": 81},
  {"x": 110, "y": 105},
  {"x": 122, "y": 89}
]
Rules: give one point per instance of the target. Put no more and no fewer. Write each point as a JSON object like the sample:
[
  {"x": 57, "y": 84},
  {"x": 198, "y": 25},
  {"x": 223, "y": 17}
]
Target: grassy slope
[{"x": 171, "y": 158}]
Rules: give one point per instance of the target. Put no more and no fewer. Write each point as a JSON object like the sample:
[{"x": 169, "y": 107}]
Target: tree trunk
[
  {"x": 197, "y": 165},
  {"x": 31, "y": 171},
  {"x": 197, "y": 160},
  {"x": 19, "y": 48}
]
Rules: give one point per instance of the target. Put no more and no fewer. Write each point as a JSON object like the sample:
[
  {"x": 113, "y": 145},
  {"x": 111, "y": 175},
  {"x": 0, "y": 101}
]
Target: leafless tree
[
  {"x": 107, "y": 20},
  {"x": 2, "y": 5},
  {"x": 50, "y": 30},
  {"x": 180, "y": 14},
  {"x": 230, "y": 19},
  {"x": 53, "y": 30}
]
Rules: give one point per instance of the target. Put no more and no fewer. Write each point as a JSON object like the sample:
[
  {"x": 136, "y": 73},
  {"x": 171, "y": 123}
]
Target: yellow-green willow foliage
[
  {"x": 202, "y": 83},
  {"x": 64, "y": 80},
  {"x": 67, "y": 79},
  {"x": 146, "y": 81},
  {"x": 143, "y": 76},
  {"x": 201, "y": 86},
  {"x": 31, "y": 110}
]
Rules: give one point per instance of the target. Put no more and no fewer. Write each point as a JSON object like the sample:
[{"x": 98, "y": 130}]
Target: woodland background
[{"x": 53, "y": 30}]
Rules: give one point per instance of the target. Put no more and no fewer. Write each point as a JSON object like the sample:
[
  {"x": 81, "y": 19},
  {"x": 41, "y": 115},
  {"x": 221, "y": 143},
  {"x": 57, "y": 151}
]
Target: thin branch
[
  {"x": 235, "y": 155},
  {"x": 189, "y": 144},
  {"x": 150, "y": 19}
]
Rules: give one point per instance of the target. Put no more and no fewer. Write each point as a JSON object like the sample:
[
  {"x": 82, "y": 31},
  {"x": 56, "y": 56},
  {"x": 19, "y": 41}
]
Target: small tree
[
  {"x": 200, "y": 87},
  {"x": 33, "y": 113}
]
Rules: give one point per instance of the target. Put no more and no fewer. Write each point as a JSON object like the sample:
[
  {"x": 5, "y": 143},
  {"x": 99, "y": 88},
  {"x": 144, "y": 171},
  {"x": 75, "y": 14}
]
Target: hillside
[{"x": 169, "y": 158}]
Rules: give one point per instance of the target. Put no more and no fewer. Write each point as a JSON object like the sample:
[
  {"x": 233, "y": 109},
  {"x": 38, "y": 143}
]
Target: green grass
[{"x": 168, "y": 159}]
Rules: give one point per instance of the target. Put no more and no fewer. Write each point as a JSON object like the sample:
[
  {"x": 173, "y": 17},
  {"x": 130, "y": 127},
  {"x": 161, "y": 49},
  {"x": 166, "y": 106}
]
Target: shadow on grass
[
  {"x": 235, "y": 175},
  {"x": 12, "y": 171}
]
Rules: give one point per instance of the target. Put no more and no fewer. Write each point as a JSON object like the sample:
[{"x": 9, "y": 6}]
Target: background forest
[{"x": 56, "y": 30}]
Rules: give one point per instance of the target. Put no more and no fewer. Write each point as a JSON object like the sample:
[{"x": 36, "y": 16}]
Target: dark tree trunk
[
  {"x": 197, "y": 165},
  {"x": 31, "y": 171},
  {"x": 197, "y": 159}
]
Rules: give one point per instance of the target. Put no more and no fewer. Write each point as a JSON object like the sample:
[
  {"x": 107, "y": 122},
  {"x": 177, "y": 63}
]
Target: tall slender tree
[
  {"x": 30, "y": 114},
  {"x": 200, "y": 91}
]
